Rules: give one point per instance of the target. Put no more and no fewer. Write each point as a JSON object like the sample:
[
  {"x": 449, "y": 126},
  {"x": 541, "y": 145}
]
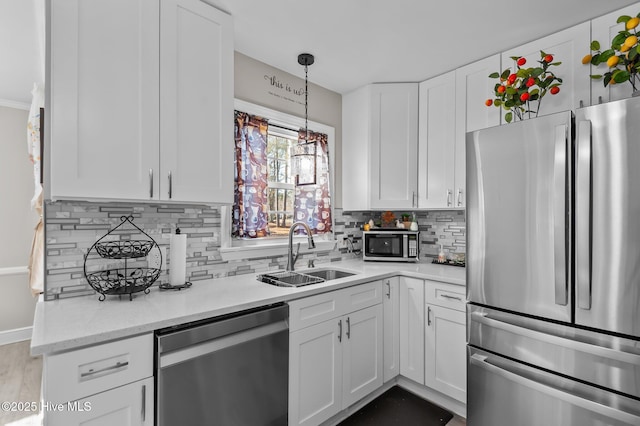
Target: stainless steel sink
[
  {"x": 299, "y": 279},
  {"x": 329, "y": 274}
]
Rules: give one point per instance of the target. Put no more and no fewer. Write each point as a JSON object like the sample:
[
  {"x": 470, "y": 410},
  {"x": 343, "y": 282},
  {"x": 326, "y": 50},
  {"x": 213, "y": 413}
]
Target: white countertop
[{"x": 71, "y": 323}]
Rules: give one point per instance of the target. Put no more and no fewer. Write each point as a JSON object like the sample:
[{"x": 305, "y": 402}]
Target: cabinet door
[
  {"x": 394, "y": 145},
  {"x": 604, "y": 29},
  {"x": 473, "y": 88},
  {"x": 412, "y": 329},
  {"x": 567, "y": 46},
  {"x": 362, "y": 356},
  {"x": 196, "y": 108},
  {"x": 103, "y": 91},
  {"x": 356, "y": 152},
  {"x": 127, "y": 405},
  {"x": 445, "y": 352},
  {"x": 391, "y": 327},
  {"x": 437, "y": 142},
  {"x": 315, "y": 372}
]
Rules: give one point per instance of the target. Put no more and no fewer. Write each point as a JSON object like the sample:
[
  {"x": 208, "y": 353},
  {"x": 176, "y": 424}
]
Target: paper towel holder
[{"x": 118, "y": 279}]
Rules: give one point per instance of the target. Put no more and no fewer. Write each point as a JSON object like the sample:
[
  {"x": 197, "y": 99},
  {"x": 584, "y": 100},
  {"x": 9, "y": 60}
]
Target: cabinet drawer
[
  {"x": 446, "y": 295},
  {"x": 362, "y": 296},
  {"x": 73, "y": 375},
  {"x": 316, "y": 309}
]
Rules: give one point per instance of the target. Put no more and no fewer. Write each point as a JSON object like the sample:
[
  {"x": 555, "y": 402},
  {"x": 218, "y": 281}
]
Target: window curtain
[
  {"x": 313, "y": 202},
  {"x": 250, "y": 219}
]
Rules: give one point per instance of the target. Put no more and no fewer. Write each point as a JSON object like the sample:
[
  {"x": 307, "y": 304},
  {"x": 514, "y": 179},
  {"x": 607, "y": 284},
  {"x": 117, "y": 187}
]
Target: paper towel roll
[{"x": 178, "y": 257}]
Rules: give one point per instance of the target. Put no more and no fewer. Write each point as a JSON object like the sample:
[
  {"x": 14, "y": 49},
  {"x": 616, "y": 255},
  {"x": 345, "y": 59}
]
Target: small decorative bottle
[{"x": 442, "y": 258}]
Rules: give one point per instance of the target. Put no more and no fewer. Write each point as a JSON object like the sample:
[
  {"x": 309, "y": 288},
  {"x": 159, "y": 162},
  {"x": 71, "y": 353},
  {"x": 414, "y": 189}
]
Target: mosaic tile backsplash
[{"x": 73, "y": 227}]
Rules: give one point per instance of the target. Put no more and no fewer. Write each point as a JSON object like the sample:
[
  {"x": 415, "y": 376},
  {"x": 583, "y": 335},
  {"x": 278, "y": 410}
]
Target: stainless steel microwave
[{"x": 391, "y": 245}]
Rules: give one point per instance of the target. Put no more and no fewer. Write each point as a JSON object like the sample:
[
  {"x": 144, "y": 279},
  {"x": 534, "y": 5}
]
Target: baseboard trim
[
  {"x": 16, "y": 335},
  {"x": 433, "y": 396}
]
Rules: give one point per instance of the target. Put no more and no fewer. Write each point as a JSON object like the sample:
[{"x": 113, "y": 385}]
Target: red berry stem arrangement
[{"x": 516, "y": 90}]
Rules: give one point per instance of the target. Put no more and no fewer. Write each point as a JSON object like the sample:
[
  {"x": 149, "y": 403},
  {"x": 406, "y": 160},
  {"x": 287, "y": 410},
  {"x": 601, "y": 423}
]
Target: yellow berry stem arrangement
[
  {"x": 515, "y": 90},
  {"x": 623, "y": 58}
]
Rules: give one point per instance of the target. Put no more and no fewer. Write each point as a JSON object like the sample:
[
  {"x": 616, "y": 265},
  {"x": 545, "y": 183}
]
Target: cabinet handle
[
  {"x": 413, "y": 199},
  {"x": 116, "y": 366},
  {"x": 599, "y": 99},
  {"x": 446, "y": 296},
  {"x": 449, "y": 194},
  {"x": 144, "y": 403},
  {"x": 428, "y": 315},
  {"x": 459, "y": 197},
  {"x": 150, "y": 183},
  {"x": 348, "y": 328},
  {"x": 388, "y": 290},
  {"x": 170, "y": 185},
  {"x": 340, "y": 331},
  {"x": 581, "y": 103}
]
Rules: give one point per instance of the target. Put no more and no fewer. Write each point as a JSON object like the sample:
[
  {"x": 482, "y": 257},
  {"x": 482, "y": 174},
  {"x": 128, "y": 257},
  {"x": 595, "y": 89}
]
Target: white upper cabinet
[
  {"x": 604, "y": 29},
  {"x": 569, "y": 47},
  {"x": 196, "y": 102},
  {"x": 104, "y": 98},
  {"x": 437, "y": 148},
  {"x": 473, "y": 88},
  {"x": 380, "y": 147},
  {"x": 141, "y": 99},
  {"x": 394, "y": 145}
]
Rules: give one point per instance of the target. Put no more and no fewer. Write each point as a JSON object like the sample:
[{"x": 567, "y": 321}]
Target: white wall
[
  {"x": 264, "y": 85},
  {"x": 16, "y": 220}
]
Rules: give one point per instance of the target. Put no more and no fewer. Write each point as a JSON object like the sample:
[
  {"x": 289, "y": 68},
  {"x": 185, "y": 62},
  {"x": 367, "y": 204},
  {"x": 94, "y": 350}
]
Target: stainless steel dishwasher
[{"x": 232, "y": 370}]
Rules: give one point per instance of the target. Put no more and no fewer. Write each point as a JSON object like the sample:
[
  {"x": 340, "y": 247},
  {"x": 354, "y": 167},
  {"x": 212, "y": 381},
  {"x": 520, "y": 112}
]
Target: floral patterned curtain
[
  {"x": 313, "y": 202},
  {"x": 250, "y": 219}
]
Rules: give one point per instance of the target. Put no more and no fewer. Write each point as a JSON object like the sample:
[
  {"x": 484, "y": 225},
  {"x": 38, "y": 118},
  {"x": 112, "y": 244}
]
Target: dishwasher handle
[{"x": 190, "y": 352}]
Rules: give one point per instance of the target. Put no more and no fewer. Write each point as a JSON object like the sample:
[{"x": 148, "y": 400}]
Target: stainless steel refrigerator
[{"x": 553, "y": 269}]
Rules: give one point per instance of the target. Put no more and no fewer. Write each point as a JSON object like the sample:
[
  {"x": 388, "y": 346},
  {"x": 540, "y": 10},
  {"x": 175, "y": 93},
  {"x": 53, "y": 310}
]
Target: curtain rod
[{"x": 283, "y": 127}]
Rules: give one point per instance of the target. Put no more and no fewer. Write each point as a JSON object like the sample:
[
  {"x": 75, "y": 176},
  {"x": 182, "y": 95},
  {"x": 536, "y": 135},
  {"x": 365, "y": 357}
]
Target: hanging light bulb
[{"x": 304, "y": 153}]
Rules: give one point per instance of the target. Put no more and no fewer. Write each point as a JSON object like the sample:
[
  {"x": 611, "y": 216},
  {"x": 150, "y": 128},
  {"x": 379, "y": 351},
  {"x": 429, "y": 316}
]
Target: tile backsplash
[{"x": 73, "y": 227}]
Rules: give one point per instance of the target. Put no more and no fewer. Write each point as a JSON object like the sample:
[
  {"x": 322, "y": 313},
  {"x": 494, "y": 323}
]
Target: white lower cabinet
[
  {"x": 105, "y": 384},
  {"x": 335, "y": 362},
  {"x": 412, "y": 329},
  {"x": 130, "y": 404},
  {"x": 445, "y": 340}
]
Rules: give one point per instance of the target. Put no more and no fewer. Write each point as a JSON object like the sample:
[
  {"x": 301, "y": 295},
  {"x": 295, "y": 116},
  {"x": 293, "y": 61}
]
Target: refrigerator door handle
[
  {"x": 559, "y": 213},
  {"x": 622, "y": 416},
  {"x": 583, "y": 216},
  {"x": 617, "y": 355}
]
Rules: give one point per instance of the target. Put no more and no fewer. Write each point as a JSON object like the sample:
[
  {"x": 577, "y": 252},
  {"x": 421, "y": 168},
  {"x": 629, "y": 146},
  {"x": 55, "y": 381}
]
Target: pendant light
[{"x": 304, "y": 153}]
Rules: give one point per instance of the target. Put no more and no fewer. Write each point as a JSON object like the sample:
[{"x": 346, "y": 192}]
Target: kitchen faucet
[{"x": 291, "y": 259}]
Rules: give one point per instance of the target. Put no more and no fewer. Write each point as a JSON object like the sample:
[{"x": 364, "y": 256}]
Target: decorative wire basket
[
  {"x": 128, "y": 249},
  {"x": 126, "y": 279}
]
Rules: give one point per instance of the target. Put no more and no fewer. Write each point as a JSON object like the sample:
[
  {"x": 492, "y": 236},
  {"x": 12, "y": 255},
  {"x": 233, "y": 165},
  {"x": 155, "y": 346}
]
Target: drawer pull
[
  {"x": 144, "y": 403},
  {"x": 446, "y": 296},
  {"x": 92, "y": 372}
]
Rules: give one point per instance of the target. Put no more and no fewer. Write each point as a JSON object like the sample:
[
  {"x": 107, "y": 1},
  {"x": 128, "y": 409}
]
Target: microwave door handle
[
  {"x": 583, "y": 216},
  {"x": 559, "y": 215}
]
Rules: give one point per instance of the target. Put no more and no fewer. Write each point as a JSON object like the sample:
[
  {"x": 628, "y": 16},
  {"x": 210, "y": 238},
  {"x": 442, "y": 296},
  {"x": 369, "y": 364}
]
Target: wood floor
[{"x": 20, "y": 378}]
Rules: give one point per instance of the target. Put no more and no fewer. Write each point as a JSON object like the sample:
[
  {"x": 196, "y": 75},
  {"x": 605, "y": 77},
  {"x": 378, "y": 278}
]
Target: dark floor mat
[{"x": 399, "y": 407}]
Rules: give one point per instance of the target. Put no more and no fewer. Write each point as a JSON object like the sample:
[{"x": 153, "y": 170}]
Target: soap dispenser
[{"x": 441, "y": 256}]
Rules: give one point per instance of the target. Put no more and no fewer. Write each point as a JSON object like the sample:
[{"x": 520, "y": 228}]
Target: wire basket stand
[{"x": 132, "y": 273}]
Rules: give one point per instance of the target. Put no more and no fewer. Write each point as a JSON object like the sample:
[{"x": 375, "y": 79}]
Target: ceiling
[{"x": 355, "y": 42}]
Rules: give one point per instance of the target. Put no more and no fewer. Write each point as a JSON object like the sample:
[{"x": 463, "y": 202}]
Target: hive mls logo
[{"x": 78, "y": 406}]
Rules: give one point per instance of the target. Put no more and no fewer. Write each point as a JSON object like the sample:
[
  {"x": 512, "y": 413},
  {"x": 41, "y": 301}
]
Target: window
[
  {"x": 267, "y": 201},
  {"x": 281, "y": 189}
]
